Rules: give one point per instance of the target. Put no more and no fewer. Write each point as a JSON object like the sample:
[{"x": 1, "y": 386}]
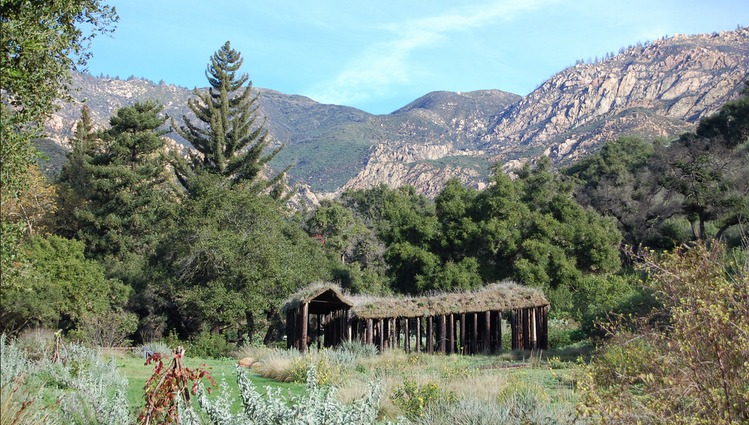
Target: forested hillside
[{"x": 640, "y": 247}]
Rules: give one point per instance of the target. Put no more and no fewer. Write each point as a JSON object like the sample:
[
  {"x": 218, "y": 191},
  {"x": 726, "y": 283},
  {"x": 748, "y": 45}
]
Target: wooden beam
[
  {"x": 544, "y": 343},
  {"x": 487, "y": 331},
  {"x": 450, "y": 334},
  {"x": 430, "y": 335},
  {"x": 474, "y": 333},
  {"x": 443, "y": 334},
  {"x": 418, "y": 334},
  {"x": 303, "y": 322},
  {"x": 514, "y": 330},
  {"x": 498, "y": 330},
  {"x": 463, "y": 348},
  {"x": 381, "y": 328},
  {"x": 534, "y": 334},
  {"x": 406, "y": 335}
]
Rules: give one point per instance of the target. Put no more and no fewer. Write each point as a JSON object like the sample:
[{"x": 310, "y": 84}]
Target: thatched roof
[
  {"x": 495, "y": 297},
  {"x": 319, "y": 294}
]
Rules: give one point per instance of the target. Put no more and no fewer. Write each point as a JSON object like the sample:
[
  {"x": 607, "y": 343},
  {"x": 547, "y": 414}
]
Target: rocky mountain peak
[{"x": 657, "y": 89}]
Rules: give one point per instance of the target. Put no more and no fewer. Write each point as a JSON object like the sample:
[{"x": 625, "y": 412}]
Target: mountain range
[{"x": 658, "y": 89}]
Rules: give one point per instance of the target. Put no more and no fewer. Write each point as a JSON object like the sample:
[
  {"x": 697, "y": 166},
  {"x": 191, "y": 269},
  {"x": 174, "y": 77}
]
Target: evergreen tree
[
  {"x": 230, "y": 142},
  {"x": 128, "y": 188},
  {"x": 74, "y": 180}
]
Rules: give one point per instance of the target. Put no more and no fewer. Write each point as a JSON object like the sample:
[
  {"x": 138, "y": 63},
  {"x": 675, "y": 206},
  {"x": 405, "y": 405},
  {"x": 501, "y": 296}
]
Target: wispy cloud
[{"x": 386, "y": 65}]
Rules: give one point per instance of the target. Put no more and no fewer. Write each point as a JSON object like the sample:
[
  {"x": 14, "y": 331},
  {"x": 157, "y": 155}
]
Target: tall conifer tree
[{"x": 230, "y": 142}]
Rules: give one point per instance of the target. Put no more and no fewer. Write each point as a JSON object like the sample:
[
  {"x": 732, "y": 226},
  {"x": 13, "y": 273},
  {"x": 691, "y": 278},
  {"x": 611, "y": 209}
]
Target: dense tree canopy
[
  {"x": 232, "y": 258},
  {"x": 125, "y": 189},
  {"x": 41, "y": 42}
]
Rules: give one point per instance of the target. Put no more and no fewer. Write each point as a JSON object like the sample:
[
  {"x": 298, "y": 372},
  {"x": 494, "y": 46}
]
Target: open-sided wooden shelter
[{"x": 466, "y": 323}]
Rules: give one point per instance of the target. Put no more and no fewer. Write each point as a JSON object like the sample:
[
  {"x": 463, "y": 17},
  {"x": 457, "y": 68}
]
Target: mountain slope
[{"x": 660, "y": 89}]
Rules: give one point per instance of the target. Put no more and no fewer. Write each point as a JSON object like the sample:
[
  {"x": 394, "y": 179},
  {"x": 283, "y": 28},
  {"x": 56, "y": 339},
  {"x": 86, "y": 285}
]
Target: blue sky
[{"x": 380, "y": 55}]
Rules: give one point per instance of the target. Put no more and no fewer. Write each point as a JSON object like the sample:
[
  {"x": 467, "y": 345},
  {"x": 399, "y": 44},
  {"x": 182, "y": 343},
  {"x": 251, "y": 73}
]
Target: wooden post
[
  {"x": 545, "y": 327},
  {"x": 319, "y": 330},
  {"x": 487, "y": 331},
  {"x": 303, "y": 322},
  {"x": 463, "y": 349},
  {"x": 393, "y": 333},
  {"x": 526, "y": 329},
  {"x": 498, "y": 330},
  {"x": 418, "y": 334},
  {"x": 349, "y": 329},
  {"x": 381, "y": 328},
  {"x": 474, "y": 333},
  {"x": 534, "y": 333},
  {"x": 398, "y": 333},
  {"x": 430, "y": 335},
  {"x": 450, "y": 334},
  {"x": 443, "y": 334},
  {"x": 514, "y": 329},
  {"x": 407, "y": 336}
]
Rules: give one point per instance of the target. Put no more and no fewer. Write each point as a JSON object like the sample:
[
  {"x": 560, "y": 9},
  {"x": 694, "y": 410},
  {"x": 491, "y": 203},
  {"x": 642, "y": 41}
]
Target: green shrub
[
  {"x": 694, "y": 369},
  {"x": 413, "y": 399},
  {"x": 327, "y": 372},
  {"x": 208, "y": 344}
]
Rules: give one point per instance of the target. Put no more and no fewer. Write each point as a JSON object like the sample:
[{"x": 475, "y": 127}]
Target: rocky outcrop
[
  {"x": 425, "y": 167},
  {"x": 659, "y": 89}
]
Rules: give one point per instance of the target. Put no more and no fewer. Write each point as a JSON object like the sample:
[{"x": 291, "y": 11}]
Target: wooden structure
[
  {"x": 317, "y": 314},
  {"x": 464, "y": 323}
]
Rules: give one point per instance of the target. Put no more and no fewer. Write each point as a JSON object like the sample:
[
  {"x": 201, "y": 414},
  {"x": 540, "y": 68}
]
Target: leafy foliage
[
  {"x": 692, "y": 368},
  {"x": 233, "y": 257},
  {"x": 41, "y": 43},
  {"x": 60, "y": 288},
  {"x": 414, "y": 399}
]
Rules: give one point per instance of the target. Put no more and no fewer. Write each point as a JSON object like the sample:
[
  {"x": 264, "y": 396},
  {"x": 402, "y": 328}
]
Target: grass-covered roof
[{"x": 494, "y": 297}]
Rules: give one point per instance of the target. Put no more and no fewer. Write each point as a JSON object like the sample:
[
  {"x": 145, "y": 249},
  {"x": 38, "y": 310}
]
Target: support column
[
  {"x": 463, "y": 348},
  {"x": 514, "y": 329},
  {"x": 443, "y": 334},
  {"x": 498, "y": 330},
  {"x": 303, "y": 321},
  {"x": 526, "y": 329},
  {"x": 450, "y": 334},
  {"x": 370, "y": 332},
  {"x": 398, "y": 330},
  {"x": 418, "y": 334},
  {"x": 430, "y": 335},
  {"x": 487, "y": 331},
  {"x": 406, "y": 336},
  {"x": 381, "y": 329},
  {"x": 545, "y": 327},
  {"x": 474, "y": 333},
  {"x": 534, "y": 329}
]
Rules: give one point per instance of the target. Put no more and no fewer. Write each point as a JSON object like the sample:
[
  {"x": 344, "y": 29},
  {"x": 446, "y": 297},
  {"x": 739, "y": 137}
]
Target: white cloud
[{"x": 385, "y": 66}]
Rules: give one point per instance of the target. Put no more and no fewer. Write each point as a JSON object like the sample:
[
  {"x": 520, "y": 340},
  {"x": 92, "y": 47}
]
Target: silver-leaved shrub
[{"x": 318, "y": 405}]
